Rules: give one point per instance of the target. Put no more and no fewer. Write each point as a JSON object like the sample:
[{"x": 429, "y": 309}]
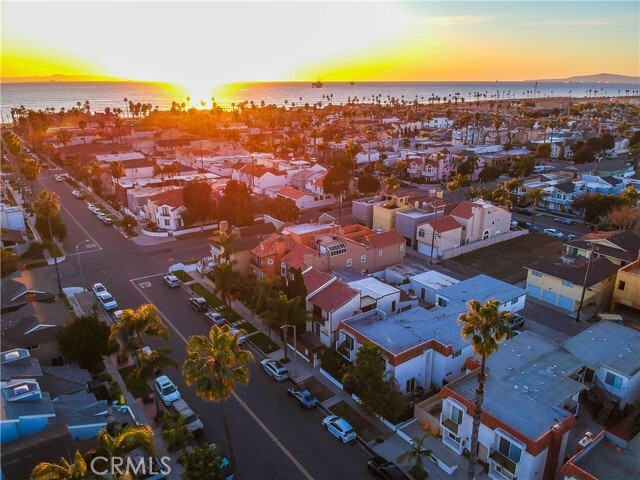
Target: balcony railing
[
  {"x": 449, "y": 424},
  {"x": 255, "y": 265},
  {"x": 505, "y": 462}
]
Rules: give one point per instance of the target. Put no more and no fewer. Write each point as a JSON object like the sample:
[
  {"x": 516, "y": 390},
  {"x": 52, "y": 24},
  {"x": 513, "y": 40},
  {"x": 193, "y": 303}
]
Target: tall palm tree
[
  {"x": 145, "y": 320},
  {"x": 177, "y": 434},
  {"x": 131, "y": 438},
  {"x": 485, "y": 326},
  {"x": 47, "y": 205},
  {"x": 282, "y": 312},
  {"x": 117, "y": 171},
  {"x": 535, "y": 196},
  {"x": 351, "y": 150},
  {"x": 225, "y": 279},
  {"x": 63, "y": 136},
  {"x": 148, "y": 365},
  {"x": 457, "y": 182},
  {"x": 63, "y": 470},
  {"x": 82, "y": 124},
  {"x": 225, "y": 240},
  {"x": 370, "y": 136},
  {"x": 215, "y": 365},
  {"x": 31, "y": 170},
  {"x": 417, "y": 453}
]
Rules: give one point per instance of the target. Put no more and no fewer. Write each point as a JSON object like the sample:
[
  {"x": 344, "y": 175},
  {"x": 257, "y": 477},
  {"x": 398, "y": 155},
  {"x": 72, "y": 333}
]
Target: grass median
[
  {"x": 363, "y": 427},
  {"x": 261, "y": 341}
]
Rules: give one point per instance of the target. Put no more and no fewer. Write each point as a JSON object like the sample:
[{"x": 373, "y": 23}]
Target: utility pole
[
  {"x": 584, "y": 282},
  {"x": 435, "y": 224}
]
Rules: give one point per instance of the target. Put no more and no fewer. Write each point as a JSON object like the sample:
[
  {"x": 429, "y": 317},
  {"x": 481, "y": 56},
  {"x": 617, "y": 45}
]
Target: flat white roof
[
  {"x": 373, "y": 287},
  {"x": 434, "y": 280},
  {"x": 120, "y": 157},
  {"x": 306, "y": 228}
]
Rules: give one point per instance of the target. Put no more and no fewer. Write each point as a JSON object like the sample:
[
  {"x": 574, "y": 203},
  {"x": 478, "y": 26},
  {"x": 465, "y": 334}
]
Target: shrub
[{"x": 333, "y": 363}]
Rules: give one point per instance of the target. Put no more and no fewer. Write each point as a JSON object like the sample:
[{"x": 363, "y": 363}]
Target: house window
[
  {"x": 567, "y": 283},
  {"x": 270, "y": 261},
  {"x": 421, "y": 233},
  {"x": 457, "y": 353},
  {"x": 486, "y": 234},
  {"x": 165, "y": 211},
  {"x": 363, "y": 259},
  {"x": 514, "y": 301},
  {"x": 349, "y": 262},
  {"x": 348, "y": 342},
  {"x": 613, "y": 380},
  {"x": 167, "y": 223},
  {"x": 283, "y": 269},
  {"x": 57, "y": 361},
  {"x": 509, "y": 450},
  {"x": 379, "y": 253},
  {"x": 337, "y": 249},
  {"x": 453, "y": 437},
  {"x": 393, "y": 306},
  {"x": 621, "y": 285},
  {"x": 456, "y": 414},
  {"x": 410, "y": 386},
  {"x": 536, "y": 274},
  {"x": 401, "y": 247}
]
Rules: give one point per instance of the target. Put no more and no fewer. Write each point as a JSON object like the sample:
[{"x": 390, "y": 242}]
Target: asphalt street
[{"x": 272, "y": 437}]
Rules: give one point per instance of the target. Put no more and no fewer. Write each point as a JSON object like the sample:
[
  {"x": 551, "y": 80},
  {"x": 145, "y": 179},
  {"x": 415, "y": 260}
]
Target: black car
[
  {"x": 385, "y": 469},
  {"x": 199, "y": 304}
]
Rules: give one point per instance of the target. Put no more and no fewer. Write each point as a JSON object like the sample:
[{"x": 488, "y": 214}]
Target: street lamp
[
  {"x": 80, "y": 263},
  {"x": 295, "y": 346}
]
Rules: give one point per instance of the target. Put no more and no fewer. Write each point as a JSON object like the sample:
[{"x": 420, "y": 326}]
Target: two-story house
[
  {"x": 166, "y": 209},
  {"x": 619, "y": 247},
  {"x": 627, "y": 286}
]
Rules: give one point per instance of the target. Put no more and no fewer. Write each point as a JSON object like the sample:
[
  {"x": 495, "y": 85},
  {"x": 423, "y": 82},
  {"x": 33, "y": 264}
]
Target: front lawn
[
  {"x": 246, "y": 326},
  {"x": 211, "y": 299},
  {"x": 262, "y": 342},
  {"x": 363, "y": 427},
  {"x": 183, "y": 276},
  {"x": 318, "y": 389}
]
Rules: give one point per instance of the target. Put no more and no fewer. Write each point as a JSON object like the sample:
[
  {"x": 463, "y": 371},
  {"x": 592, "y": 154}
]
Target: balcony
[
  {"x": 502, "y": 466},
  {"x": 257, "y": 266},
  {"x": 449, "y": 424}
]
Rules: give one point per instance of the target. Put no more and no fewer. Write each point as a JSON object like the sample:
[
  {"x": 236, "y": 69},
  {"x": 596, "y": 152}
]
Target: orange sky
[{"x": 206, "y": 44}]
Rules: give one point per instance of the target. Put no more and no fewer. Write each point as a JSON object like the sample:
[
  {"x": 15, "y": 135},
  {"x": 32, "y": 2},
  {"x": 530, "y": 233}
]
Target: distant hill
[
  {"x": 62, "y": 78},
  {"x": 598, "y": 78}
]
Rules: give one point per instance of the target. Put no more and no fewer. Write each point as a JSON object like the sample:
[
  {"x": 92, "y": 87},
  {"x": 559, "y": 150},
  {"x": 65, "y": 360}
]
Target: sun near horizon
[{"x": 203, "y": 46}]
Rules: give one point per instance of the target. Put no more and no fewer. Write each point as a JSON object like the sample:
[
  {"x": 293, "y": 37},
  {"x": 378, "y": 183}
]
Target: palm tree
[
  {"x": 282, "y": 312},
  {"x": 131, "y": 438},
  {"x": 145, "y": 320},
  {"x": 416, "y": 455},
  {"x": 630, "y": 195},
  {"x": 177, "y": 434},
  {"x": 47, "y": 205},
  {"x": 485, "y": 326},
  {"x": 64, "y": 137},
  {"x": 457, "y": 182},
  {"x": 63, "y": 470},
  {"x": 148, "y": 365},
  {"x": 82, "y": 124},
  {"x": 31, "y": 170},
  {"x": 370, "y": 136},
  {"x": 535, "y": 196},
  {"x": 225, "y": 279},
  {"x": 225, "y": 241},
  {"x": 351, "y": 150},
  {"x": 117, "y": 171},
  {"x": 215, "y": 365}
]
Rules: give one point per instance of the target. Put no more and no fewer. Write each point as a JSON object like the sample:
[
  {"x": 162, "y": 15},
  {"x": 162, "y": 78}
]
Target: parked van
[{"x": 191, "y": 420}]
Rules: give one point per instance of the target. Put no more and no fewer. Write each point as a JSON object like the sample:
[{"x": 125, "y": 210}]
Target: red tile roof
[
  {"x": 173, "y": 198},
  {"x": 445, "y": 224},
  {"x": 295, "y": 258},
  {"x": 291, "y": 193},
  {"x": 268, "y": 246},
  {"x": 464, "y": 210},
  {"x": 334, "y": 296},
  {"x": 314, "y": 279},
  {"x": 386, "y": 239}
]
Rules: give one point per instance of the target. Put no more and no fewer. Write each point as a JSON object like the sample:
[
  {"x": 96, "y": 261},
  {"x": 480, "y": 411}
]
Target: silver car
[{"x": 275, "y": 369}]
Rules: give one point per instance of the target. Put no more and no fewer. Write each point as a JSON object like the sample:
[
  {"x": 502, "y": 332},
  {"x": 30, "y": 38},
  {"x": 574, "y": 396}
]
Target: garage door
[
  {"x": 424, "y": 248},
  {"x": 549, "y": 297},
  {"x": 565, "y": 302},
  {"x": 533, "y": 291}
]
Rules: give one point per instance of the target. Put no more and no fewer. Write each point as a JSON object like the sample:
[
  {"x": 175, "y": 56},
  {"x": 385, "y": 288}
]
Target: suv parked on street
[
  {"x": 191, "y": 420},
  {"x": 275, "y": 369},
  {"x": 199, "y": 304},
  {"x": 167, "y": 391},
  {"x": 339, "y": 428}
]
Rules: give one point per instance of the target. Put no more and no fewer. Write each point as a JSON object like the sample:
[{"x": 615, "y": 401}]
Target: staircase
[{"x": 604, "y": 413}]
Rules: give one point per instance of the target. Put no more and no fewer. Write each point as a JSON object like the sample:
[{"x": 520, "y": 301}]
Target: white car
[
  {"x": 78, "y": 194},
  {"x": 108, "y": 302},
  {"x": 91, "y": 207},
  {"x": 552, "y": 232},
  {"x": 102, "y": 216},
  {"x": 191, "y": 419},
  {"x": 171, "y": 280},
  {"x": 339, "y": 428},
  {"x": 167, "y": 391},
  {"x": 59, "y": 178},
  {"x": 98, "y": 288},
  {"x": 275, "y": 369}
]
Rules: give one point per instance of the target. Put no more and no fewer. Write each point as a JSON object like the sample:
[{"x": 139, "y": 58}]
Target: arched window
[{"x": 485, "y": 235}]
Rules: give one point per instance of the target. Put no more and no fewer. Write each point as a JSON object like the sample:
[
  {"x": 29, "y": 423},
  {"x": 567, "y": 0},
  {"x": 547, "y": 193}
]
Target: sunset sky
[{"x": 204, "y": 43}]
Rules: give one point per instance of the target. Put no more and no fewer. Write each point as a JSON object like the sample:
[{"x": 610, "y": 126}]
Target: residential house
[
  {"x": 384, "y": 213},
  {"x": 559, "y": 196},
  {"x": 374, "y": 294},
  {"x": 362, "y": 209},
  {"x": 258, "y": 177},
  {"x": 14, "y": 241},
  {"x": 627, "y": 286},
  {"x": 25, "y": 409},
  {"x": 407, "y": 221},
  {"x": 301, "y": 199},
  {"x": 427, "y": 284},
  {"x": 166, "y": 209},
  {"x": 438, "y": 236},
  {"x": 243, "y": 240},
  {"x": 619, "y": 247},
  {"x": 562, "y": 284}
]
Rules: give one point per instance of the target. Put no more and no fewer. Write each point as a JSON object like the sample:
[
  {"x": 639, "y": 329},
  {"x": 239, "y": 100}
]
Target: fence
[{"x": 470, "y": 247}]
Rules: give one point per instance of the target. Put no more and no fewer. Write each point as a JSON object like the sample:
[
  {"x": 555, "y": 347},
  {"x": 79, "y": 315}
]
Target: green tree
[
  {"x": 128, "y": 223},
  {"x": 416, "y": 456},
  {"x": 296, "y": 287},
  {"x": 204, "y": 463},
  {"x": 236, "y": 206},
  {"x": 176, "y": 433},
  {"x": 85, "y": 340},
  {"x": 351, "y": 150},
  {"x": 225, "y": 278},
  {"x": 147, "y": 366},
  {"x": 457, "y": 182},
  {"x": 131, "y": 438},
  {"x": 47, "y": 208},
  {"x": 607, "y": 141},
  {"x": 225, "y": 243},
  {"x": 535, "y": 196},
  {"x": 543, "y": 150},
  {"x": 489, "y": 173},
  {"x": 31, "y": 169},
  {"x": 282, "y": 312},
  {"x": 12, "y": 142},
  {"x": 596, "y": 206},
  {"x": 367, "y": 375},
  {"x": 337, "y": 182},
  {"x": 284, "y": 209},
  {"x": 625, "y": 217},
  {"x": 264, "y": 292},
  {"x": 371, "y": 136},
  {"x": 117, "y": 171},
  {"x": 630, "y": 195},
  {"x": 391, "y": 182},
  {"x": 8, "y": 262},
  {"x": 368, "y": 184},
  {"x": 215, "y": 365},
  {"x": 145, "y": 320},
  {"x": 62, "y": 470},
  {"x": 198, "y": 202},
  {"x": 485, "y": 326},
  {"x": 582, "y": 155}
]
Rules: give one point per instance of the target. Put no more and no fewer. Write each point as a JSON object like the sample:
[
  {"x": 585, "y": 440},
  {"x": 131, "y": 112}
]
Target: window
[
  {"x": 457, "y": 353},
  {"x": 613, "y": 380},
  {"x": 509, "y": 450},
  {"x": 379, "y": 253},
  {"x": 57, "y": 361},
  {"x": 410, "y": 386},
  {"x": 393, "y": 306},
  {"x": 514, "y": 301},
  {"x": 401, "y": 247},
  {"x": 349, "y": 262},
  {"x": 485, "y": 235},
  {"x": 453, "y": 437},
  {"x": 536, "y": 274},
  {"x": 166, "y": 222},
  {"x": 337, "y": 249},
  {"x": 456, "y": 414},
  {"x": 421, "y": 233},
  {"x": 348, "y": 342},
  {"x": 270, "y": 261},
  {"x": 621, "y": 285},
  {"x": 363, "y": 259},
  {"x": 567, "y": 283},
  {"x": 283, "y": 269},
  {"x": 165, "y": 211}
]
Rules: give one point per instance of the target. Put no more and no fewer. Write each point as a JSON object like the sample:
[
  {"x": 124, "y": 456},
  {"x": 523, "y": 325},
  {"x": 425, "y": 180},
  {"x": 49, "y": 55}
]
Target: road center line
[{"x": 234, "y": 394}]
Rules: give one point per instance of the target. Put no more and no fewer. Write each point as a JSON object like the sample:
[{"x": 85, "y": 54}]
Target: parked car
[
  {"x": 516, "y": 322},
  {"x": 552, "y": 232},
  {"x": 78, "y": 194},
  {"x": 339, "y": 428},
  {"x": 171, "y": 280},
  {"x": 191, "y": 420},
  {"x": 92, "y": 208},
  {"x": 108, "y": 302},
  {"x": 215, "y": 318},
  {"x": 117, "y": 314},
  {"x": 59, "y": 178},
  {"x": 167, "y": 391},
  {"x": 383, "y": 468},
  {"x": 564, "y": 221},
  {"x": 275, "y": 369},
  {"x": 225, "y": 464},
  {"x": 98, "y": 288},
  {"x": 199, "y": 304},
  {"x": 514, "y": 224},
  {"x": 242, "y": 339},
  {"x": 572, "y": 236},
  {"x": 532, "y": 227},
  {"x": 101, "y": 215},
  {"x": 106, "y": 220},
  {"x": 304, "y": 397}
]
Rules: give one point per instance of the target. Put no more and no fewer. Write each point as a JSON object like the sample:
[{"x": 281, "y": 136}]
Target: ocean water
[{"x": 112, "y": 94}]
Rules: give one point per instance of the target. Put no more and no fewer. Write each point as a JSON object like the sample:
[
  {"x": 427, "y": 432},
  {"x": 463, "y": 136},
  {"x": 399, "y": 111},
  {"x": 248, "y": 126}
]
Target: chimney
[
  {"x": 280, "y": 247},
  {"x": 585, "y": 441}
]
